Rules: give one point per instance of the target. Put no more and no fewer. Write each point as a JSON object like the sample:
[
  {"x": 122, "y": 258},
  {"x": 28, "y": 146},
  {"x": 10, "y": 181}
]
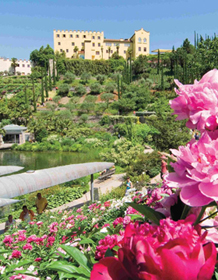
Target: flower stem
[
  {"x": 200, "y": 215},
  {"x": 211, "y": 215},
  {"x": 185, "y": 212}
]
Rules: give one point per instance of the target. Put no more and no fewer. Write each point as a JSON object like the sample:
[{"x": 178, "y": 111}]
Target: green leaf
[
  {"x": 86, "y": 241},
  {"x": 109, "y": 253},
  {"x": 136, "y": 217},
  {"x": 150, "y": 213},
  {"x": 216, "y": 275},
  {"x": 63, "y": 267},
  {"x": 77, "y": 256}
]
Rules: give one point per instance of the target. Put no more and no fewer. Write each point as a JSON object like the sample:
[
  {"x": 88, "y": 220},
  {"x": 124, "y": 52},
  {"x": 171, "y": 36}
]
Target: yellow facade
[{"x": 93, "y": 45}]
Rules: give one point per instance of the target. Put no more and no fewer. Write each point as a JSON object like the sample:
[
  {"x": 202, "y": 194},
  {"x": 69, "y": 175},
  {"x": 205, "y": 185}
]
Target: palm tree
[
  {"x": 129, "y": 52},
  {"x": 118, "y": 47},
  {"x": 109, "y": 51},
  {"x": 102, "y": 48},
  {"x": 76, "y": 50},
  {"x": 14, "y": 64}
]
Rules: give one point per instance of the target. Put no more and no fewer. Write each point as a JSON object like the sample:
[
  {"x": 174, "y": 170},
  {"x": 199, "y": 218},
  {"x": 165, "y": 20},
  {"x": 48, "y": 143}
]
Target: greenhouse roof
[{"x": 34, "y": 180}]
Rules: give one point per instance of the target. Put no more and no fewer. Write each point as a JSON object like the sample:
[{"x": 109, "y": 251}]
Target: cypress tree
[
  {"x": 42, "y": 90},
  {"x": 54, "y": 78},
  {"x": 49, "y": 77},
  {"x": 34, "y": 96},
  {"x": 162, "y": 78},
  {"x": 46, "y": 83}
]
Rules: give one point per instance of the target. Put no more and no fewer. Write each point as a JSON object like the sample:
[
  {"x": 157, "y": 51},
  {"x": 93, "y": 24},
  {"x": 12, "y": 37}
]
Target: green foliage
[
  {"x": 85, "y": 77},
  {"x": 122, "y": 153},
  {"x": 41, "y": 134},
  {"x": 95, "y": 88},
  {"x": 41, "y": 57},
  {"x": 63, "y": 89},
  {"x": 84, "y": 118},
  {"x": 80, "y": 90},
  {"x": 69, "y": 77},
  {"x": 105, "y": 120},
  {"x": 110, "y": 87},
  {"x": 100, "y": 78},
  {"x": 107, "y": 97},
  {"x": 151, "y": 163}
]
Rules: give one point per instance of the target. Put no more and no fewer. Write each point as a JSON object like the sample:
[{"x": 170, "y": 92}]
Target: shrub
[
  {"x": 63, "y": 89},
  {"x": 105, "y": 120},
  {"x": 80, "y": 90},
  {"x": 85, "y": 77},
  {"x": 69, "y": 77},
  {"x": 84, "y": 118},
  {"x": 43, "y": 133},
  {"x": 95, "y": 88},
  {"x": 110, "y": 87},
  {"x": 100, "y": 78}
]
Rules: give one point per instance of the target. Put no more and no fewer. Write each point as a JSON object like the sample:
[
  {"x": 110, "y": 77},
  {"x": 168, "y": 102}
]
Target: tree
[
  {"x": 109, "y": 52},
  {"x": 102, "y": 49},
  {"x": 63, "y": 89},
  {"x": 107, "y": 97},
  {"x": 14, "y": 64},
  {"x": 95, "y": 88},
  {"x": 80, "y": 90},
  {"x": 117, "y": 47},
  {"x": 69, "y": 77},
  {"x": 100, "y": 78},
  {"x": 140, "y": 65},
  {"x": 76, "y": 51},
  {"x": 85, "y": 77},
  {"x": 110, "y": 87},
  {"x": 41, "y": 57}
]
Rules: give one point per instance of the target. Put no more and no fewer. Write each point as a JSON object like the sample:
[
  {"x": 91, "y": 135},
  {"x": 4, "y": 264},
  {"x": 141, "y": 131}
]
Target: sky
[{"x": 26, "y": 25}]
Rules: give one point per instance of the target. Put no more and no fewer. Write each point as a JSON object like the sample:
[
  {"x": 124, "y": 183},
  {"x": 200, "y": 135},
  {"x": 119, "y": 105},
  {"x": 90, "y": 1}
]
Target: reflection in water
[{"x": 41, "y": 160}]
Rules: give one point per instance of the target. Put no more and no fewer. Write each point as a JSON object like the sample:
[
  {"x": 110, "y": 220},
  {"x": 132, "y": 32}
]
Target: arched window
[
  {"x": 145, "y": 40},
  {"x": 139, "y": 40}
]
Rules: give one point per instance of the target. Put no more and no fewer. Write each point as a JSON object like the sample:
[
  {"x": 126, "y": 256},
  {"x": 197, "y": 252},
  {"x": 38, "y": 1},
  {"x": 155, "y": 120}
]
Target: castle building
[
  {"x": 23, "y": 68},
  {"x": 93, "y": 45}
]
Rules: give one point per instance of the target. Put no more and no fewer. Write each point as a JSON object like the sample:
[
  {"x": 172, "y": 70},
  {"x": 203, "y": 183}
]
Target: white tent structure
[
  {"x": 34, "y": 180},
  {"x": 7, "y": 201},
  {"x": 9, "y": 169}
]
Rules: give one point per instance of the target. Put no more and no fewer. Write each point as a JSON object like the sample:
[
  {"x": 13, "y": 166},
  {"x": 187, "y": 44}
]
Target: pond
[{"x": 41, "y": 160}]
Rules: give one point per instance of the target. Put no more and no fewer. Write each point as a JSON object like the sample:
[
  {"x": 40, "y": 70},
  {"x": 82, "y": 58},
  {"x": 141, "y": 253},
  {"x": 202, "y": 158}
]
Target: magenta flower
[
  {"x": 8, "y": 239},
  {"x": 27, "y": 246},
  {"x": 196, "y": 171},
  {"x": 173, "y": 250},
  {"x": 16, "y": 254},
  {"x": 198, "y": 102},
  {"x": 38, "y": 259}
]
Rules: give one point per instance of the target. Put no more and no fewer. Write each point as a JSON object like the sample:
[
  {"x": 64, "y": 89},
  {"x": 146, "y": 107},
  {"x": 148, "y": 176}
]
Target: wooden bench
[{"x": 106, "y": 175}]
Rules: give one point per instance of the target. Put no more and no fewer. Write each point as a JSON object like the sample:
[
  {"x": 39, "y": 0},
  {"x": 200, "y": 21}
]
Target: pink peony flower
[
  {"x": 196, "y": 171},
  {"x": 109, "y": 241},
  {"x": 38, "y": 259},
  {"x": 198, "y": 102},
  {"x": 21, "y": 237},
  {"x": 118, "y": 221},
  {"x": 28, "y": 246},
  {"x": 173, "y": 250},
  {"x": 8, "y": 239},
  {"x": 16, "y": 254},
  {"x": 39, "y": 223}
]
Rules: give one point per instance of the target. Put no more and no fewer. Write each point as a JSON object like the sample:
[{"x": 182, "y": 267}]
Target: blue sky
[{"x": 26, "y": 25}]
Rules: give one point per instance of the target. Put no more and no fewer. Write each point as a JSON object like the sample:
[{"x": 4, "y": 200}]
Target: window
[
  {"x": 83, "y": 44},
  {"x": 139, "y": 49},
  {"x": 106, "y": 51},
  {"x": 67, "y": 50},
  {"x": 139, "y": 40},
  {"x": 127, "y": 45},
  {"x": 64, "y": 36},
  {"x": 73, "y": 44},
  {"x": 93, "y": 44},
  {"x": 99, "y": 44},
  {"x": 59, "y": 43},
  {"x": 97, "y": 53},
  {"x": 28, "y": 65},
  {"x": 145, "y": 49},
  {"x": 84, "y": 36},
  {"x": 111, "y": 51},
  {"x": 93, "y": 37},
  {"x": 116, "y": 44},
  {"x": 144, "y": 40},
  {"x": 99, "y": 37},
  {"x": 61, "y": 50},
  {"x": 71, "y": 36},
  {"x": 58, "y": 35},
  {"x": 23, "y": 65},
  {"x": 124, "y": 51},
  {"x": 77, "y": 36},
  {"x": 108, "y": 44}
]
